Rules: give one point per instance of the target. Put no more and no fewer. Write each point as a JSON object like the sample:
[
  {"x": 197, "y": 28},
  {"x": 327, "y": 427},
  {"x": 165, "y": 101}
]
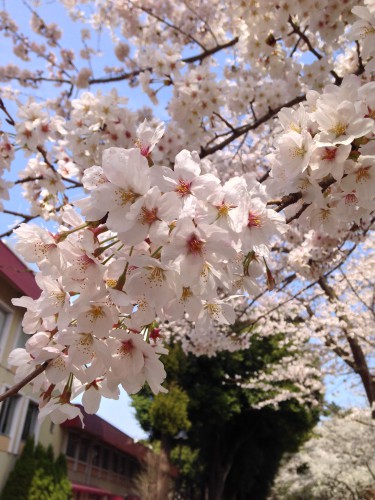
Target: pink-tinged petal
[
  {"x": 57, "y": 370},
  {"x": 126, "y": 168},
  {"x": 91, "y": 400}
]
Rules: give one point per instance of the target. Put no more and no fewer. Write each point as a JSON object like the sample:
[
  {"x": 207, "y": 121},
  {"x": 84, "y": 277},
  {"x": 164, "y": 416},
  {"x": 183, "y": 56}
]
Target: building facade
[
  {"x": 103, "y": 462},
  {"x": 18, "y": 415}
]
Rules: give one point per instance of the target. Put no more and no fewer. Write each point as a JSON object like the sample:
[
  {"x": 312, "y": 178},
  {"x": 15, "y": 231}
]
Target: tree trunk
[{"x": 221, "y": 468}]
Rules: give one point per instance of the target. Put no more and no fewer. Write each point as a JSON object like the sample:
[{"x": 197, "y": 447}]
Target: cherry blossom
[{"x": 259, "y": 177}]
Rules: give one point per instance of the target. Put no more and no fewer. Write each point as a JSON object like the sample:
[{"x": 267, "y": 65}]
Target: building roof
[
  {"x": 15, "y": 272},
  {"x": 107, "y": 433}
]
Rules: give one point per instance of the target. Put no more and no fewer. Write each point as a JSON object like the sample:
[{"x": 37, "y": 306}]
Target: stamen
[
  {"x": 148, "y": 216},
  {"x": 329, "y": 154},
  {"x": 362, "y": 175},
  {"x": 195, "y": 246},
  {"x": 254, "y": 220},
  {"x": 183, "y": 188},
  {"x": 339, "y": 129}
]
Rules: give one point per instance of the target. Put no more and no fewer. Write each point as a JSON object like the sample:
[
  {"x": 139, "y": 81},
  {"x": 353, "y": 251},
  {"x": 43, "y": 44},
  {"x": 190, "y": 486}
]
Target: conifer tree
[
  {"x": 20, "y": 479},
  {"x": 38, "y": 476}
]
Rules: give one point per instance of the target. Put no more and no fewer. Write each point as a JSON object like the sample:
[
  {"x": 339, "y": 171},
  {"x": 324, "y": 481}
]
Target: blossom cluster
[
  {"x": 326, "y": 152},
  {"x": 6, "y": 158},
  {"x": 155, "y": 244},
  {"x": 336, "y": 460}
]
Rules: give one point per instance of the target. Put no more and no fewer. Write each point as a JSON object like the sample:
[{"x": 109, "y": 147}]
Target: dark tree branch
[
  {"x": 17, "y": 387},
  {"x": 9, "y": 119},
  {"x": 306, "y": 39},
  {"x": 239, "y": 131},
  {"x": 29, "y": 179},
  {"x": 188, "y": 60},
  {"x": 118, "y": 78},
  {"x": 18, "y": 214},
  {"x": 361, "y": 366},
  {"x": 210, "y": 52},
  {"x": 224, "y": 120}
]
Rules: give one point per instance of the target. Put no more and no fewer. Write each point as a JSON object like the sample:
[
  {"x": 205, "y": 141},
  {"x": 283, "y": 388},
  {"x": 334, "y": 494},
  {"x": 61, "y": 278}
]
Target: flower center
[
  {"x": 371, "y": 113},
  {"x": 96, "y": 312},
  {"x": 84, "y": 262},
  {"x": 183, "y": 188},
  {"x": 124, "y": 197},
  {"x": 195, "y": 246},
  {"x": 224, "y": 209},
  {"x": 126, "y": 347},
  {"x": 213, "y": 310},
  {"x": 156, "y": 274},
  {"x": 298, "y": 152},
  {"x": 329, "y": 154},
  {"x": 254, "y": 220},
  {"x": 351, "y": 199},
  {"x": 186, "y": 293},
  {"x": 58, "y": 298},
  {"x": 148, "y": 216},
  {"x": 362, "y": 175},
  {"x": 339, "y": 129},
  {"x": 366, "y": 31},
  {"x": 85, "y": 343},
  {"x": 296, "y": 128},
  {"x": 324, "y": 214}
]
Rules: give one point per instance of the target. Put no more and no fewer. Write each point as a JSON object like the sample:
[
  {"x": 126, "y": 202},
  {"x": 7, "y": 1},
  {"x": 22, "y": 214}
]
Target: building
[
  {"x": 18, "y": 415},
  {"x": 102, "y": 461}
]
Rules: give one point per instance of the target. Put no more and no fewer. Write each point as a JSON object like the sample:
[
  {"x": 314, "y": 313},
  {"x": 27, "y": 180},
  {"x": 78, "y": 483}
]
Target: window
[
  {"x": 96, "y": 456},
  {"x": 3, "y": 320},
  {"x": 124, "y": 466},
  {"x": 30, "y": 421},
  {"x": 115, "y": 462},
  {"x": 73, "y": 444},
  {"x": 133, "y": 468},
  {"x": 83, "y": 450},
  {"x": 105, "y": 459},
  {"x": 7, "y": 411}
]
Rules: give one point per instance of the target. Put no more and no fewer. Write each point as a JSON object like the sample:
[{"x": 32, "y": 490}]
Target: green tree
[
  {"x": 232, "y": 451},
  {"x": 38, "y": 476},
  {"x": 20, "y": 479}
]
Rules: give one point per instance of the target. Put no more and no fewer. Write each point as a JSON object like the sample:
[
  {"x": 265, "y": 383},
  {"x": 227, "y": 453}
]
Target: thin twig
[
  {"x": 306, "y": 39},
  {"x": 9, "y": 117},
  {"x": 168, "y": 24}
]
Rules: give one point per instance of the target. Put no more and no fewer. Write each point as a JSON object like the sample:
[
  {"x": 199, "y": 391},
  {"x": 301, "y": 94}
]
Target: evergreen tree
[
  {"x": 233, "y": 451},
  {"x": 38, "y": 476},
  {"x": 20, "y": 479}
]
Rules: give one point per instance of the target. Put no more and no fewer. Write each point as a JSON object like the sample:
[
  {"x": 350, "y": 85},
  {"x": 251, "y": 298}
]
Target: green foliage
[
  {"x": 61, "y": 467},
  {"x": 168, "y": 412},
  {"x": 186, "y": 460},
  {"x": 20, "y": 479},
  {"x": 38, "y": 476},
  {"x": 228, "y": 441},
  {"x": 44, "y": 487}
]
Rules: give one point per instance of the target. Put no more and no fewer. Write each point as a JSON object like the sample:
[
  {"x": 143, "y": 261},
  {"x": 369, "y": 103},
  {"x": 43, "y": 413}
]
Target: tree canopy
[
  {"x": 230, "y": 450},
  {"x": 199, "y": 172}
]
